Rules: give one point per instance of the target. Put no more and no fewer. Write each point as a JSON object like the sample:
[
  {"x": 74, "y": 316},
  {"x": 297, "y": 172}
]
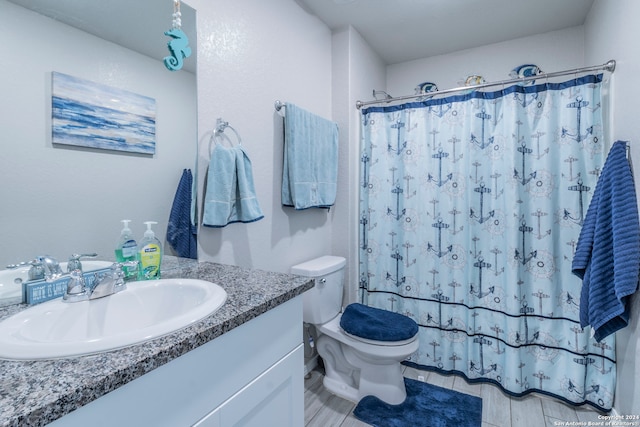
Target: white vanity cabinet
[
  {"x": 267, "y": 400},
  {"x": 252, "y": 375}
]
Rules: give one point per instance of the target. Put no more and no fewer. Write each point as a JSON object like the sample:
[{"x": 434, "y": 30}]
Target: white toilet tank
[{"x": 323, "y": 302}]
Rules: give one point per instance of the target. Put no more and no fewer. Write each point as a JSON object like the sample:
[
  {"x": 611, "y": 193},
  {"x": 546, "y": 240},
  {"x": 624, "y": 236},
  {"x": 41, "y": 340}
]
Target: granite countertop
[{"x": 35, "y": 393}]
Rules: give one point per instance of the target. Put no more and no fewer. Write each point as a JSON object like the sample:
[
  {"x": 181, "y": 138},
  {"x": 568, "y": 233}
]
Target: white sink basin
[
  {"x": 144, "y": 311},
  {"x": 11, "y": 279}
]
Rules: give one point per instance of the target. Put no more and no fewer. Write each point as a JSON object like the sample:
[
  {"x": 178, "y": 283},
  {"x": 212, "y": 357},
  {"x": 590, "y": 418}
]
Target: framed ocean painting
[{"x": 94, "y": 115}]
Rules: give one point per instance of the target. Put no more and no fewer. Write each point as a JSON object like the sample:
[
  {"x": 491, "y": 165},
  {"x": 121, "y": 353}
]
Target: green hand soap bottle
[{"x": 127, "y": 249}]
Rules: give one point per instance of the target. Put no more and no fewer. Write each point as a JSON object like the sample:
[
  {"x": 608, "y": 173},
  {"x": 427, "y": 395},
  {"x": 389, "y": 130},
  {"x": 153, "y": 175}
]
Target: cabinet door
[{"x": 275, "y": 398}]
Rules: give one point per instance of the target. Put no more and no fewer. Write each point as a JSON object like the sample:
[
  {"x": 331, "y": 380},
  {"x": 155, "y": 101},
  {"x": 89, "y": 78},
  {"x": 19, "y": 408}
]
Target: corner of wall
[{"x": 357, "y": 69}]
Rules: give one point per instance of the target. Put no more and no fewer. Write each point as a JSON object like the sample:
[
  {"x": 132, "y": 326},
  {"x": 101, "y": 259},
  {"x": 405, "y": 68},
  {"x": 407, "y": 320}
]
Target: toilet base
[
  {"x": 353, "y": 374},
  {"x": 340, "y": 389},
  {"x": 393, "y": 394}
]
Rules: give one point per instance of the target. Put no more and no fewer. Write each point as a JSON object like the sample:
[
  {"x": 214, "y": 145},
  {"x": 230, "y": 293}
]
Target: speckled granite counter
[{"x": 34, "y": 393}]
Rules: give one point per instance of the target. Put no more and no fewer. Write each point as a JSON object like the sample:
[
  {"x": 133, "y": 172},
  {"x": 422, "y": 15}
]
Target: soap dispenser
[
  {"x": 149, "y": 254},
  {"x": 127, "y": 249}
]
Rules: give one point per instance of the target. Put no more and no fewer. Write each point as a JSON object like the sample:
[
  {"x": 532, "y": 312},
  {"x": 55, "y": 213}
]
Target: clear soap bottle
[{"x": 127, "y": 249}]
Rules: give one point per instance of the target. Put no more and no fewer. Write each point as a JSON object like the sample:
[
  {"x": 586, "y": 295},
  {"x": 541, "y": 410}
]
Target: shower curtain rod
[{"x": 608, "y": 66}]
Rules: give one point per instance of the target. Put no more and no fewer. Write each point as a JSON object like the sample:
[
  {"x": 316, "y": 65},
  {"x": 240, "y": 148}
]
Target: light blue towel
[
  {"x": 181, "y": 232},
  {"x": 230, "y": 193},
  {"x": 607, "y": 257},
  {"x": 310, "y": 170}
]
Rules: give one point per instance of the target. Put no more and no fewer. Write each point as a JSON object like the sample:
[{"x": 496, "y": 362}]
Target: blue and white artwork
[{"x": 89, "y": 114}]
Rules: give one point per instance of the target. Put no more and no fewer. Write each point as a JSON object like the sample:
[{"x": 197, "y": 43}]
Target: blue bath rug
[{"x": 426, "y": 405}]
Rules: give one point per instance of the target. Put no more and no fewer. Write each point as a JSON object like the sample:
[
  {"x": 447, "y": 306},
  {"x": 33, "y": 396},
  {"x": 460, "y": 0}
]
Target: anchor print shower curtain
[{"x": 470, "y": 211}]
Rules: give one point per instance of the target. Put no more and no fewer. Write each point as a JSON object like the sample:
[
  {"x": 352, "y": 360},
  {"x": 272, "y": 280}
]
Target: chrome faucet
[
  {"x": 109, "y": 283},
  {"x": 105, "y": 284},
  {"x": 76, "y": 288}
]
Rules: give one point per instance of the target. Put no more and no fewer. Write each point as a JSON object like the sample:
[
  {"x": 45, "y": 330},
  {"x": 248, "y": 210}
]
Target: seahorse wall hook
[{"x": 178, "y": 48}]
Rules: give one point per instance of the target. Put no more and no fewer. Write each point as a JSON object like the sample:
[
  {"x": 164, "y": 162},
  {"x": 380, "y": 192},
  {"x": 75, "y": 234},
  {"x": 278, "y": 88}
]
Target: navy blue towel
[
  {"x": 181, "y": 231},
  {"x": 607, "y": 257},
  {"x": 377, "y": 324}
]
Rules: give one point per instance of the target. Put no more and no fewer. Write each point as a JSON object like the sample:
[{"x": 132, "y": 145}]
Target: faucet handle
[
  {"x": 52, "y": 270},
  {"x": 128, "y": 270},
  {"x": 127, "y": 264},
  {"x": 36, "y": 271},
  {"x": 76, "y": 288},
  {"x": 74, "y": 261}
]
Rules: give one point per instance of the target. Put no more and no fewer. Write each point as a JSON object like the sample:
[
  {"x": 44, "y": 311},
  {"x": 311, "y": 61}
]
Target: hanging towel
[
  {"x": 230, "y": 193},
  {"x": 310, "y": 171},
  {"x": 181, "y": 231},
  {"x": 607, "y": 257},
  {"x": 246, "y": 207}
]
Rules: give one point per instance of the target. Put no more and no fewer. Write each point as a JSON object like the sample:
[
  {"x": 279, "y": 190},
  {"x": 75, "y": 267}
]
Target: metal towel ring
[{"x": 218, "y": 132}]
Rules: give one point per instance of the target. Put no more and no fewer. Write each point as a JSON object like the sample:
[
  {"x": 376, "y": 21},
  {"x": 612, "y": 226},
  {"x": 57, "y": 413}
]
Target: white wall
[
  {"x": 250, "y": 54},
  {"x": 553, "y": 51},
  {"x": 611, "y": 32},
  {"x": 357, "y": 69},
  {"x": 60, "y": 200}
]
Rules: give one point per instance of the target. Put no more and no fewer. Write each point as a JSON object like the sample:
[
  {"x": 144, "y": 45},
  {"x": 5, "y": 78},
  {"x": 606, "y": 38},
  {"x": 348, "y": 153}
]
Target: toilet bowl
[
  {"x": 365, "y": 358},
  {"x": 357, "y": 367}
]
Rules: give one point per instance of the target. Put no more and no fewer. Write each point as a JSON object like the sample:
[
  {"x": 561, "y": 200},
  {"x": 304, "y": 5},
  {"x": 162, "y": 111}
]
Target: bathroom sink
[
  {"x": 144, "y": 311},
  {"x": 11, "y": 279}
]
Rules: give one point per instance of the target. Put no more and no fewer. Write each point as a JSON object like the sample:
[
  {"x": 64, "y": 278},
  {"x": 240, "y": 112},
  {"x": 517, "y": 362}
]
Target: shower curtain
[{"x": 471, "y": 208}]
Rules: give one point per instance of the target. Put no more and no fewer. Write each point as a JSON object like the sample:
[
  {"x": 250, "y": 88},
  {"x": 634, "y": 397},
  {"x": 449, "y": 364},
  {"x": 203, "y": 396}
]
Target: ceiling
[
  {"x": 404, "y": 30},
  {"x": 398, "y": 30},
  {"x": 119, "y": 21}
]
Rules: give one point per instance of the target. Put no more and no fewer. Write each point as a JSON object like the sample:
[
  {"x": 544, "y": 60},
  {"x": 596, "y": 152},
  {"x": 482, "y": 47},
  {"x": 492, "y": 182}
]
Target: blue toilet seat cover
[{"x": 377, "y": 324}]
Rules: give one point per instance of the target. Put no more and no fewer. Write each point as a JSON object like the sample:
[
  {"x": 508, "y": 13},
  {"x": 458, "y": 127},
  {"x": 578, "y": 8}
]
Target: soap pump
[
  {"x": 127, "y": 249},
  {"x": 149, "y": 254}
]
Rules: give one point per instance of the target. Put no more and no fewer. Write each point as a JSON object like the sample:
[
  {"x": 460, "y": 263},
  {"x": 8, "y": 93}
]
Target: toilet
[{"x": 361, "y": 347}]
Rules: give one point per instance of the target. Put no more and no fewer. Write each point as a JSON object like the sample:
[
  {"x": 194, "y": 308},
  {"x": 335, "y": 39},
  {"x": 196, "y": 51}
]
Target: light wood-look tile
[
  {"x": 553, "y": 408},
  {"x": 461, "y": 385},
  {"x": 526, "y": 412},
  {"x": 444, "y": 381},
  {"x": 587, "y": 413},
  {"x": 352, "y": 421},
  {"x": 333, "y": 414},
  {"x": 322, "y": 409},
  {"x": 496, "y": 407}
]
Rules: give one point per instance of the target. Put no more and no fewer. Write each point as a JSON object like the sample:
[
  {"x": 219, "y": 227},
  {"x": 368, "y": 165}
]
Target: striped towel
[
  {"x": 607, "y": 257},
  {"x": 181, "y": 230}
]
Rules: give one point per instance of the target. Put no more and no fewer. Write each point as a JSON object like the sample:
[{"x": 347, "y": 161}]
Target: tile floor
[{"x": 323, "y": 409}]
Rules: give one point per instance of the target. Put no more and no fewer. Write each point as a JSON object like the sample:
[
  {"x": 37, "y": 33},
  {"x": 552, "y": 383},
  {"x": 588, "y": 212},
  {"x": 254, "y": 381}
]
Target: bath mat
[{"x": 426, "y": 405}]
